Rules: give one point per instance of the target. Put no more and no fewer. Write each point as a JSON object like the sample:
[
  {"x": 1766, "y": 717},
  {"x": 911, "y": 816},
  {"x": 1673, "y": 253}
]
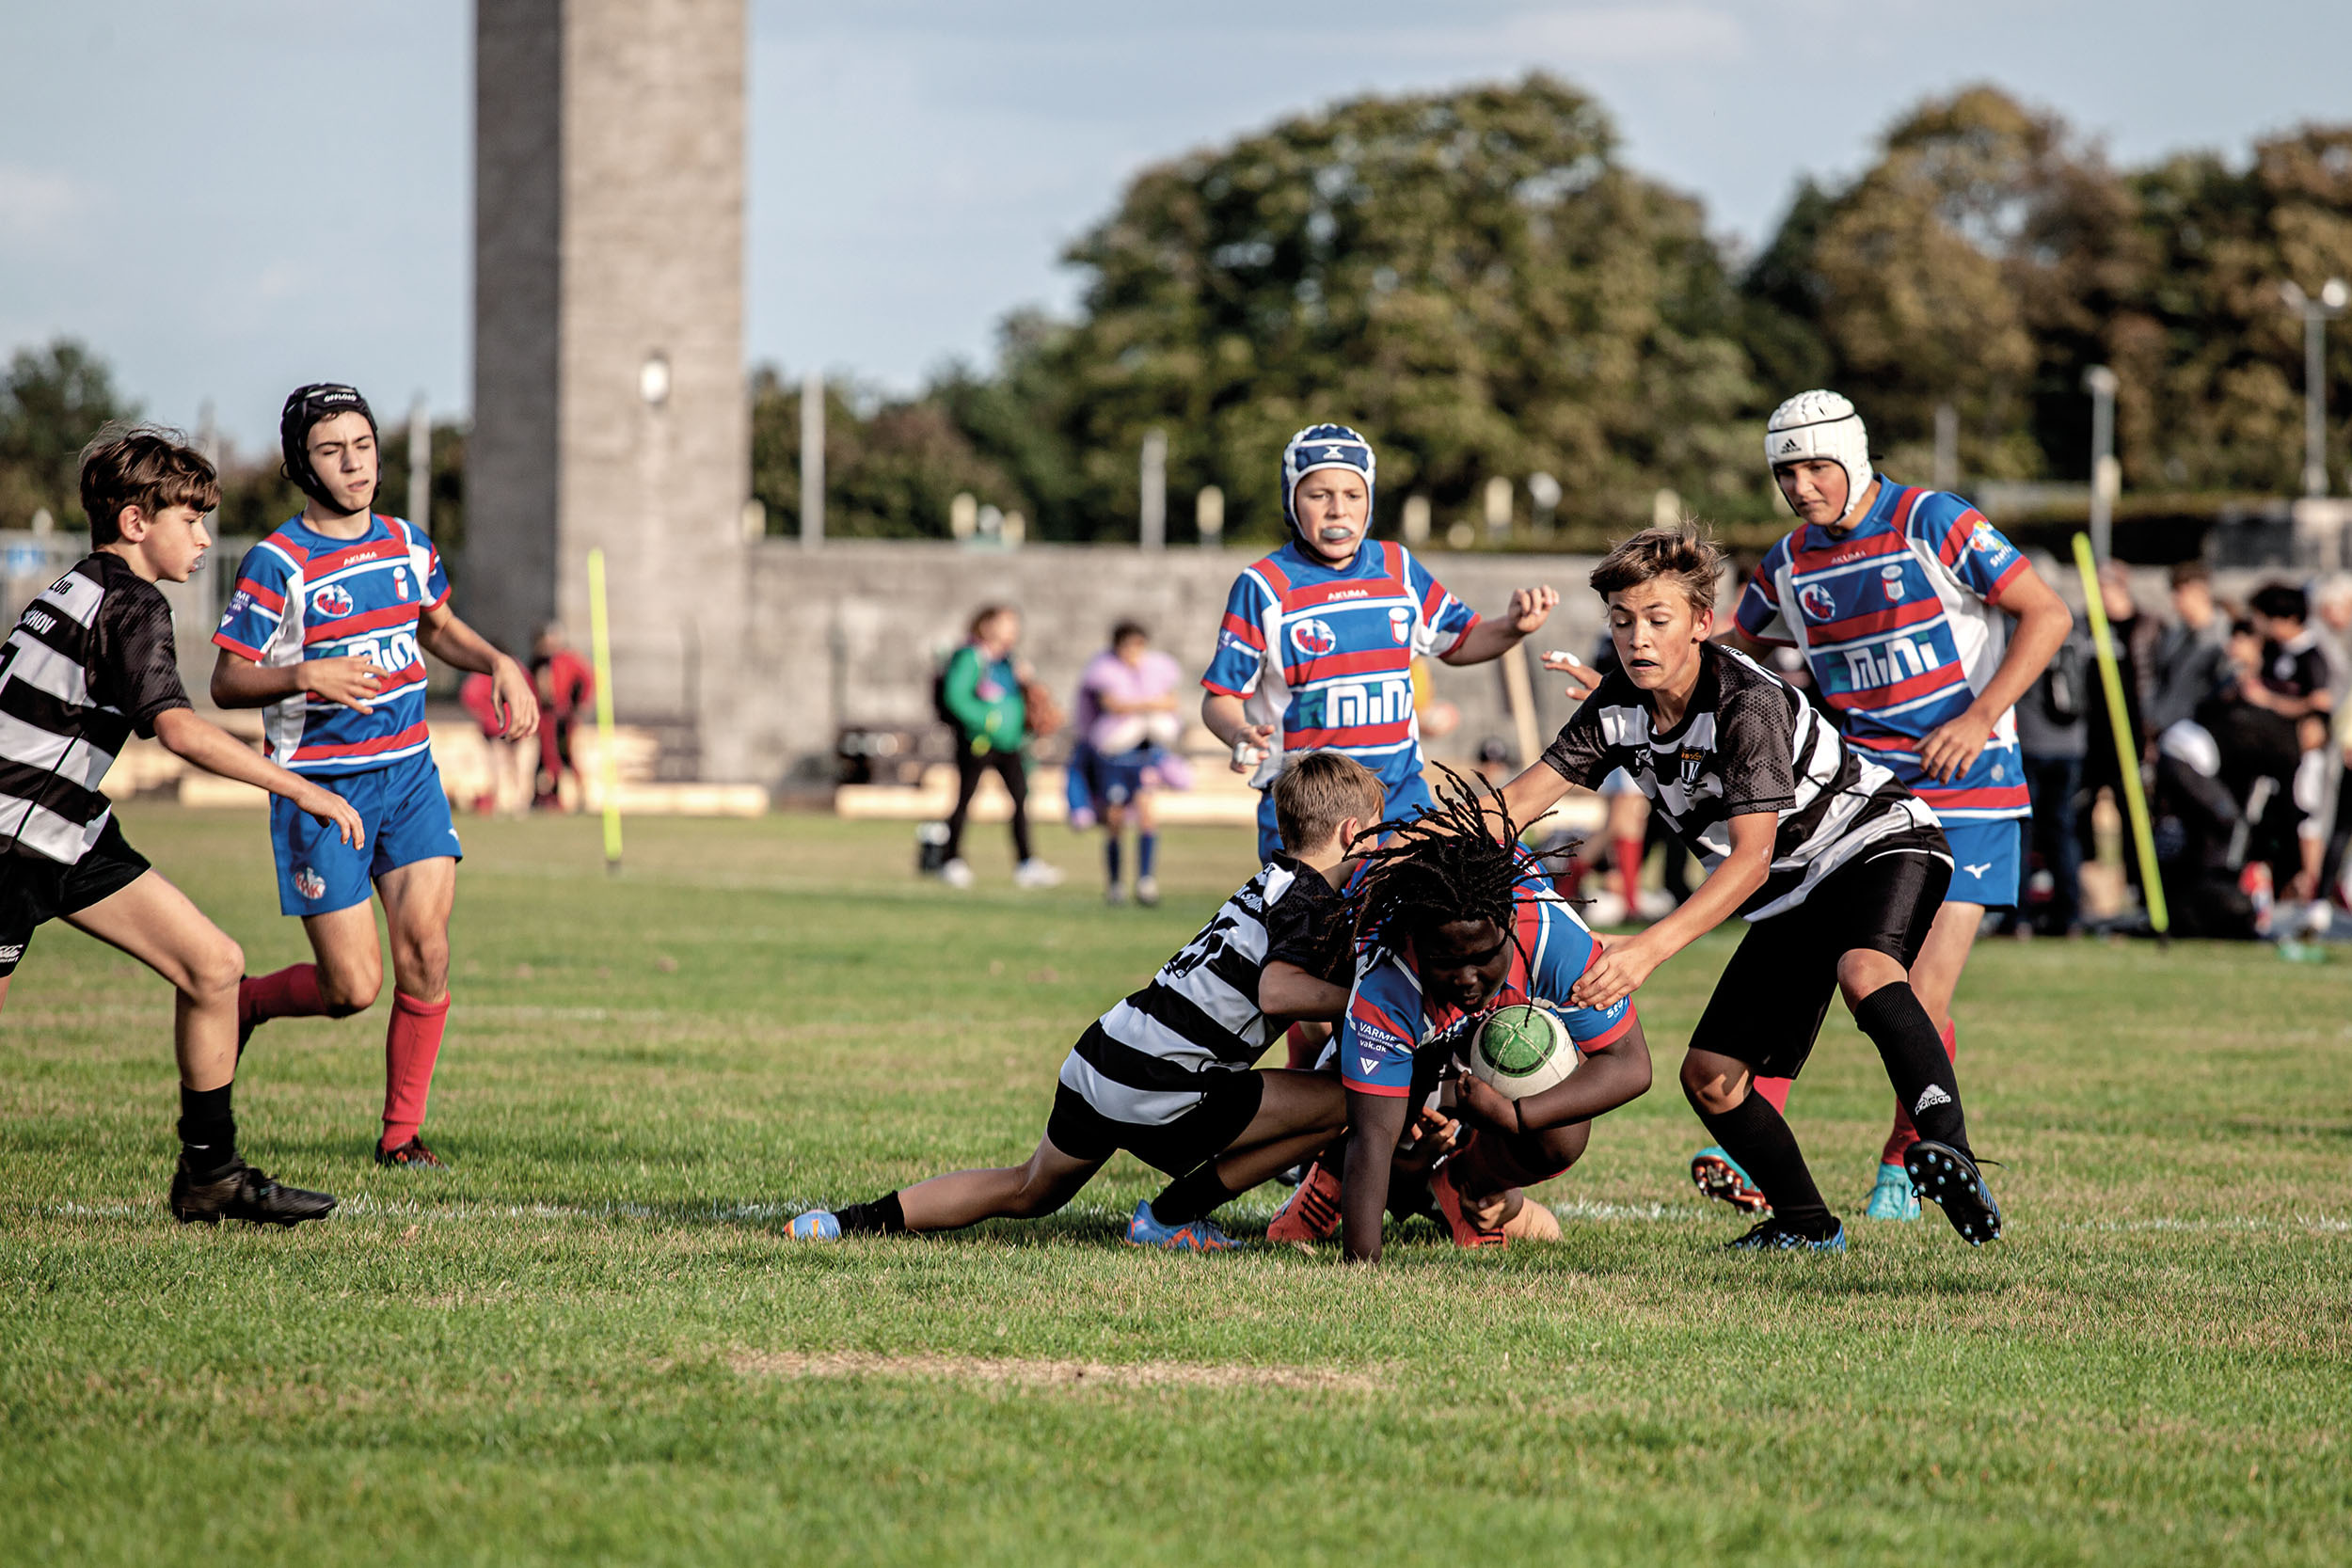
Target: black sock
[
  {"x": 1754, "y": 1133},
  {"x": 1923, "y": 1076},
  {"x": 208, "y": 1130},
  {"x": 1188, "y": 1197},
  {"x": 881, "y": 1217}
]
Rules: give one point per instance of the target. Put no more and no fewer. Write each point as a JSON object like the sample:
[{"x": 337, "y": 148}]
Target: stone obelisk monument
[{"x": 609, "y": 407}]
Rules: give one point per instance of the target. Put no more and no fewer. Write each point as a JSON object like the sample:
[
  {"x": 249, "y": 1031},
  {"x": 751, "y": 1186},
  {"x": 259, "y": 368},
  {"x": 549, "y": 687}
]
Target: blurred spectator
[
  {"x": 2053, "y": 735},
  {"x": 2295, "y": 688},
  {"x": 566, "y": 689},
  {"x": 2132, "y": 637},
  {"x": 2198, "y": 838},
  {"x": 510, "y": 790},
  {"x": 1126, "y": 751},
  {"x": 2190, "y": 660},
  {"x": 2335, "y": 618},
  {"x": 981, "y": 695}
]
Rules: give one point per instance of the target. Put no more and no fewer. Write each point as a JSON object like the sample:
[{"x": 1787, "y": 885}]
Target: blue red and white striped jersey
[
  {"x": 1898, "y": 618},
  {"x": 1388, "y": 1016},
  {"x": 303, "y": 595},
  {"x": 1334, "y": 647}
]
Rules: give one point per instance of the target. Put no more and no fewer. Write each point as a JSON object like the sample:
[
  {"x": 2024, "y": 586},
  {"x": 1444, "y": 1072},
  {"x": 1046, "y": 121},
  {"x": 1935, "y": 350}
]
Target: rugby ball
[{"x": 1521, "y": 1050}]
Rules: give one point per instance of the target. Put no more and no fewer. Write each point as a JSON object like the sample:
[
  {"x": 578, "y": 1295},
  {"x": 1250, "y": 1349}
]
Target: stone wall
[{"x": 852, "y": 633}]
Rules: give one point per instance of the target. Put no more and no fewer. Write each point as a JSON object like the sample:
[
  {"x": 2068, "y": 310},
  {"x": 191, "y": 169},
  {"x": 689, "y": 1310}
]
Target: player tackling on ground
[
  {"x": 1839, "y": 869},
  {"x": 326, "y": 629},
  {"x": 91, "y": 663},
  {"x": 1167, "y": 1074},
  {"x": 1455, "y": 920}
]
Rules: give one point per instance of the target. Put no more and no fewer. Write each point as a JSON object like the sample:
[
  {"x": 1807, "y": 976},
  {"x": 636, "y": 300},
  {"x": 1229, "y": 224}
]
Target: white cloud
[{"x": 36, "y": 204}]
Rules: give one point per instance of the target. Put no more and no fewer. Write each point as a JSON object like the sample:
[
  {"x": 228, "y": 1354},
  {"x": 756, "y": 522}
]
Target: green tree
[
  {"x": 52, "y": 402},
  {"x": 2217, "y": 401},
  {"x": 892, "y": 469},
  {"x": 1982, "y": 261},
  {"x": 1470, "y": 277}
]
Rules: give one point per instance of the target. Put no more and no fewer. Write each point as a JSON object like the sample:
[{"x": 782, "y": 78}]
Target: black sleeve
[
  {"x": 1579, "y": 752},
  {"x": 138, "y": 665},
  {"x": 1308, "y": 926},
  {"x": 1755, "y": 747}
]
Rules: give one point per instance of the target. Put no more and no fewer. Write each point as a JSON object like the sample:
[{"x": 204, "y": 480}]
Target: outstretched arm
[
  {"x": 440, "y": 633},
  {"x": 1376, "y": 1122},
  {"x": 1490, "y": 639},
  {"x": 215, "y": 750},
  {"x": 1623, "y": 965},
  {"x": 1287, "y": 991}
]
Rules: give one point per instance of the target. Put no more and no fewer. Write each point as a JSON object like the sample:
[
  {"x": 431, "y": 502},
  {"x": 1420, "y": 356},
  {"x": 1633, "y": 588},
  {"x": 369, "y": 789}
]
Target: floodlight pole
[
  {"x": 420, "y": 466},
  {"x": 812, "y": 460},
  {"x": 1151, "y": 476},
  {"x": 2316, "y": 314},
  {"x": 2100, "y": 382}
]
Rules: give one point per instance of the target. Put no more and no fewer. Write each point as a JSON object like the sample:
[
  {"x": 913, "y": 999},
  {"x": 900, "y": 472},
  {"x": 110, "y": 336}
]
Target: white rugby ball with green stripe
[{"x": 1522, "y": 1050}]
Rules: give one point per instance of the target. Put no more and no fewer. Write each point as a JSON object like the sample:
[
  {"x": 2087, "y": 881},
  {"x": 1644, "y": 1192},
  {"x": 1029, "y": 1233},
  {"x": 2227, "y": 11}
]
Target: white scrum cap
[{"x": 1822, "y": 425}]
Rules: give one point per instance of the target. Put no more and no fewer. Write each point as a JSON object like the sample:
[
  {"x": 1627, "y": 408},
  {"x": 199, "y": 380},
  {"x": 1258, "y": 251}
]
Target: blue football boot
[
  {"x": 1773, "y": 1236},
  {"x": 1943, "y": 1174},
  {"x": 818, "y": 1225},
  {"x": 1201, "y": 1235},
  {"x": 1894, "y": 1197}
]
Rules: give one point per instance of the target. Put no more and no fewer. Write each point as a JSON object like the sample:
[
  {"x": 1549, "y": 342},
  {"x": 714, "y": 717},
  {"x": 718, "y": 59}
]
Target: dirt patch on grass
[{"x": 996, "y": 1371}]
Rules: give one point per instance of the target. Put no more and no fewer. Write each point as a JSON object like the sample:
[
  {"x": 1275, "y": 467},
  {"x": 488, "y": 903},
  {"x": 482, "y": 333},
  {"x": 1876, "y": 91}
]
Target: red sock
[
  {"x": 1630, "y": 871},
  {"x": 1775, "y": 1092},
  {"x": 291, "y": 992},
  {"x": 1900, "y": 1141},
  {"x": 411, "y": 1046}
]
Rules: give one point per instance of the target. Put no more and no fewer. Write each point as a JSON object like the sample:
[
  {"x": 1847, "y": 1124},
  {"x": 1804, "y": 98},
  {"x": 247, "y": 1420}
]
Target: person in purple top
[{"x": 1127, "y": 728}]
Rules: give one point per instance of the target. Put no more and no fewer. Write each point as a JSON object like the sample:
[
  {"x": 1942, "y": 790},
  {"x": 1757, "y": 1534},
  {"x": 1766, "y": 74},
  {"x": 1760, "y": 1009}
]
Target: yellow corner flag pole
[
  {"x": 608, "y": 765},
  {"x": 2119, "y": 720}
]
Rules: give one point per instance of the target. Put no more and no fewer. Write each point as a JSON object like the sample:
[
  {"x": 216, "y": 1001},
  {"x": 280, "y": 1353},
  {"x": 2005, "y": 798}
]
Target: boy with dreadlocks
[
  {"x": 1455, "y": 920},
  {"x": 1837, "y": 867},
  {"x": 1167, "y": 1074}
]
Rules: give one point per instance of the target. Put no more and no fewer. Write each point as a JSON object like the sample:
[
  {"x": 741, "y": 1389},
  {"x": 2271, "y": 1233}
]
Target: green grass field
[{"x": 587, "y": 1341}]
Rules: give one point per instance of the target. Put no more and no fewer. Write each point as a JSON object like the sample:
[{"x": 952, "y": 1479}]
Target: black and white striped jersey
[
  {"x": 1148, "y": 1060},
  {"x": 91, "y": 662},
  {"x": 1748, "y": 742}
]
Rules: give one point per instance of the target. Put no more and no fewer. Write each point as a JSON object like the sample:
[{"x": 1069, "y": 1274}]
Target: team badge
[
  {"x": 400, "y": 581},
  {"x": 308, "y": 883},
  {"x": 1816, "y": 602},
  {"x": 332, "y": 601},
  {"x": 1891, "y": 578},
  {"x": 1401, "y": 624},
  {"x": 1984, "y": 541},
  {"x": 1313, "y": 638}
]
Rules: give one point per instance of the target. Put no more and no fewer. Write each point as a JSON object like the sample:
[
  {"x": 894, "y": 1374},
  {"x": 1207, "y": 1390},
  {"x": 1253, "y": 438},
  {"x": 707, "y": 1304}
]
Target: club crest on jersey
[
  {"x": 400, "y": 581},
  {"x": 308, "y": 883},
  {"x": 1313, "y": 638},
  {"x": 332, "y": 601},
  {"x": 1891, "y": 578},
  {"x": 1816, "y": 602},
  {"x": 1400, "y": 624}
]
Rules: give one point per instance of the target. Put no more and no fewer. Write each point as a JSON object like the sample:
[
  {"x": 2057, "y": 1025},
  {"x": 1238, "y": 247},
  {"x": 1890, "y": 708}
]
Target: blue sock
[
  {"x": 1110, "y": 857},
  {"x": 1147, "y": 850}
]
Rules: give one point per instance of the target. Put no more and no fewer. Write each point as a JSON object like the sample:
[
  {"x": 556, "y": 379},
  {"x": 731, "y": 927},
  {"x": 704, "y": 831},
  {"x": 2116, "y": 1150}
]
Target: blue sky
[{"x": 229, "y": 198}]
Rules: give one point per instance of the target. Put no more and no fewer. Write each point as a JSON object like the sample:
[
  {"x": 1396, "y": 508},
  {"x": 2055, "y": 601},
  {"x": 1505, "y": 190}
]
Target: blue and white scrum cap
[{"x": 1323, "y": 446}]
